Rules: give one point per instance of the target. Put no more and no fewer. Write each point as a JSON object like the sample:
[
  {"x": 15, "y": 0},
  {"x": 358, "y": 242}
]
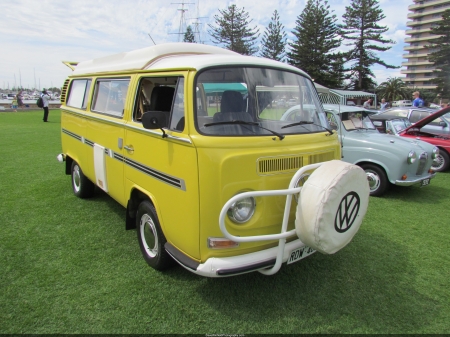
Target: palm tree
[{"x": 393, "y": 89}]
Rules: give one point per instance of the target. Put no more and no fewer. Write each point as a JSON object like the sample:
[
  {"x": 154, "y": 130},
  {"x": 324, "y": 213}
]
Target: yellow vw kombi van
[{"x": 192, "y": 140}]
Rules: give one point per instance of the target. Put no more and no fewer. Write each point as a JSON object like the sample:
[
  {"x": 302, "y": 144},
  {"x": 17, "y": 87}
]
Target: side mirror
[
  {"x": 443, "y": 124},
  {"x": 155, "y": 120}
]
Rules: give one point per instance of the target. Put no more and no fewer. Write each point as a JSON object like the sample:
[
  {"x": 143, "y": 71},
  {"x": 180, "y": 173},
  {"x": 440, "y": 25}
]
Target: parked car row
[
  {"x": 386, "y": 159},
  {"x": 433, "y": 128}
]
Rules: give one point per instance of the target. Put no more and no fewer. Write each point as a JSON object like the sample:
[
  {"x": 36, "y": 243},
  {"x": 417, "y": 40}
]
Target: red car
[{"x": 442, "y": 161}]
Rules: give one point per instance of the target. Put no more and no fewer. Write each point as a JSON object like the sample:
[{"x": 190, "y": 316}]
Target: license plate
[
  {"x": 425, "y": 182},
  {"x": 300, "y": 253}
]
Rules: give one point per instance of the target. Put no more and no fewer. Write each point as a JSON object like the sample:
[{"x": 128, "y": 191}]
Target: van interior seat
[
  {"x": 232, "y": 109},
  {"x": 162, "y": 98}
]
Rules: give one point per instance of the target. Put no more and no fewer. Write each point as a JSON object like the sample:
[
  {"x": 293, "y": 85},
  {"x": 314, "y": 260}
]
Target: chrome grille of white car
[{"x": 423, "y": 158}]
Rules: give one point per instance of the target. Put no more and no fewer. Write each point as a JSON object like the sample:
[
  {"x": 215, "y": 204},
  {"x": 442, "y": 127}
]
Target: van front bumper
[{"x": 234, "y": 265}]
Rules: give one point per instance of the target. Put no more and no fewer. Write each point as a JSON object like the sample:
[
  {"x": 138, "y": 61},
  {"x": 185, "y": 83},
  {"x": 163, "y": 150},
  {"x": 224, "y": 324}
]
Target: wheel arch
[
  {"x": 136, "y": 197},
  {"x": 381, "y": 165},
  {"x": 69, "y": 161}
]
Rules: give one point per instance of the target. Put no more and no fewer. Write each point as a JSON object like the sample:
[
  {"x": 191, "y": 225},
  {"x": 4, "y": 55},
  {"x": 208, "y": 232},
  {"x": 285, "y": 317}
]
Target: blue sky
[{"x": 38, "y": 35}]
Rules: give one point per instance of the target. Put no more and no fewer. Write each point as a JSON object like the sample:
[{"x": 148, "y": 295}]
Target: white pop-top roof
[
  {"x": 141, "y": 58},
  {"x": 173, "y": 56}
]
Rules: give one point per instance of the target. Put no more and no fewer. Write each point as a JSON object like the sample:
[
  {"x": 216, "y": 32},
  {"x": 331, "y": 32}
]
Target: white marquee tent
[{"x": 335, "y": 96}]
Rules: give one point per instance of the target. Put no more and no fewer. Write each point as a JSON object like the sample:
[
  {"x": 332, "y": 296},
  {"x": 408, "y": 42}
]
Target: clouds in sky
[{"x": 37, "y": 35}]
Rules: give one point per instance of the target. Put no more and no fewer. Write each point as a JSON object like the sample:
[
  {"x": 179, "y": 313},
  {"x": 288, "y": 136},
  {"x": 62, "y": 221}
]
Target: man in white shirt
[
  {"x": 367, "y": 103},
  {"x": 45, "y": 99}
]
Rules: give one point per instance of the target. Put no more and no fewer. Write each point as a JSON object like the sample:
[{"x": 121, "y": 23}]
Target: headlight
[
  {"x": 412, "y": 157},
  {"x": 241, "y": 211},
  {"x": 435, "y": 153}
]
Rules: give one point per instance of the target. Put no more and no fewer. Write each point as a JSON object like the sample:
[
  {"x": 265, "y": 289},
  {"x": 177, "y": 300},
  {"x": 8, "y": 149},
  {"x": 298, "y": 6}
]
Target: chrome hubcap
[
  {"x": 149, "y": 235},
  {"x": 76, "y": 178},
  {"x": 438, "y": 163},
  {"x": 374, "y": 180}
]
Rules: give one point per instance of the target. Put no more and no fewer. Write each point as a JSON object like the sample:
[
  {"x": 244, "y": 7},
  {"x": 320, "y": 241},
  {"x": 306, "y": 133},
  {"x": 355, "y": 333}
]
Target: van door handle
[{"x": 129, "y": 148}]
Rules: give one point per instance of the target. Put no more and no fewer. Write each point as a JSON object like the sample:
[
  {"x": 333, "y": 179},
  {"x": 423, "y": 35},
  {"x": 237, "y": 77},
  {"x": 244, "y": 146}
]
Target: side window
[
  {"x": 415, "y": 116},
  {"x": 436, "y": 121},
  {"x": 109, "y": 96},
  {"x": 78, "y": 93},
  {"x": 164, "y": 94},
  {"x": 177, "y": 118},
  {"x": 332, "y": 121}
]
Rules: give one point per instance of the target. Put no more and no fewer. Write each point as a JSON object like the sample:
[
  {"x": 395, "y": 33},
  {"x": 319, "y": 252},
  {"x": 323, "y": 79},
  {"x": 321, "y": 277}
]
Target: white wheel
[{"x": 333, "y": 202}]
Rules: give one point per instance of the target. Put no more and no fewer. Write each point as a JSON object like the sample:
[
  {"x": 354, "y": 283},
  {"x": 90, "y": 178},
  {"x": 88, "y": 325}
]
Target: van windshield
[{"x": 246, "y": 101}]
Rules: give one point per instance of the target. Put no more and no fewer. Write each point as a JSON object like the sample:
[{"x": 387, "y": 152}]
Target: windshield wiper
[
  {"x": 238, "y": 122},
  {"x": 307, "y": 122}
]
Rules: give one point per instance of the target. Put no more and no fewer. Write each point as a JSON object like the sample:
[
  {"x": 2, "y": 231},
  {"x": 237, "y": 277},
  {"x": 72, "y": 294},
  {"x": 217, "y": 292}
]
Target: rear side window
[
  {"x": 78, "y": 93},
  {"x": 110, "y": 95}
]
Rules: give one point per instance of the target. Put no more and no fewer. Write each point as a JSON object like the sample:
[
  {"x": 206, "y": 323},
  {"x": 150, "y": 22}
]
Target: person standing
[
  {"x": 384, "y": 105},
  {"x": 14, "y": 104},
  {"x": 45, "y": 99},
  {"x": 20, "y": 99},
  {"x": 367, "y": 104},
  {"x": 418, "y": 103}
]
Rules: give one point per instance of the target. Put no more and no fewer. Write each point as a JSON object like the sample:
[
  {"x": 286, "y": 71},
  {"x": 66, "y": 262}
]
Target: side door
[
  {"x": 105, "y": 133},
  {"x": 162, "y": 163}
]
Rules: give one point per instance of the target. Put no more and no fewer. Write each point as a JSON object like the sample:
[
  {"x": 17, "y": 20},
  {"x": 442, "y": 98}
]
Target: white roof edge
[{"x": 141, "y": 58}]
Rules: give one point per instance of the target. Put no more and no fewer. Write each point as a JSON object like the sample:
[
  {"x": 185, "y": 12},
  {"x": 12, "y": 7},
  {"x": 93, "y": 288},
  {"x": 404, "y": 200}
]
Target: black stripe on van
[
  {"x": 71, "y": 134},
  {"x": 88, "y": 142},
  {"x": 178, "y": 183},
  {"x": 175, "y": 182}
]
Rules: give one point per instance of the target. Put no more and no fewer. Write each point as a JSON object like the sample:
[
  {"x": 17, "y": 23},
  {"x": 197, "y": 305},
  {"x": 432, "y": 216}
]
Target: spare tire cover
[{"x": 332, "y": 205}]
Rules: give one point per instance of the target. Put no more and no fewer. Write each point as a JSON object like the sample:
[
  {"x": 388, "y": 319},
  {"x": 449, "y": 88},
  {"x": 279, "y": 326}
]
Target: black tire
[
  {"x": 442, "y": 161},
  {"x": 82, "y": 186},
  {"x": 151, "y": 238},
  {"x": 378, "y": 181}
]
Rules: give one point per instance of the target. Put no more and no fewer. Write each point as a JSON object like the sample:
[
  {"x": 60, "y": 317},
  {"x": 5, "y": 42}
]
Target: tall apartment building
[{"x": 423, "y": 15}]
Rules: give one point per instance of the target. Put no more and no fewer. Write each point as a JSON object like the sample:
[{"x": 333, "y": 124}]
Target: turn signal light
[
  {"x": 221, "y": 243},
  {"x": 404, "y": 177}
]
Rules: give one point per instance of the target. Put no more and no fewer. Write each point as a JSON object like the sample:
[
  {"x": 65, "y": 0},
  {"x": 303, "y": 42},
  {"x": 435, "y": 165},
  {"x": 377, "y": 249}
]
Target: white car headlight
[
  {"x": 435, "y": 153},
  {"x": 241, "y": 211},
  {"x": 411, "y": 157}
]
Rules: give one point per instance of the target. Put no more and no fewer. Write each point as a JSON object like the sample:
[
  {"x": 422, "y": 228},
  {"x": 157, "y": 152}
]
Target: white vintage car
[{"x": 386, "y": 159}]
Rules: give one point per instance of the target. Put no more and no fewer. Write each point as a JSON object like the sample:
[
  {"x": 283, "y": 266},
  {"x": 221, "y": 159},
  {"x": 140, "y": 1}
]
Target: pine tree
[
  {"x": 274, "y": 39},
  {"x": 316, "y": 36},
  {"x": 232, "y": 30},
  {"x": 441, "y": 57},
  {"x": 360, "y": 28},
  {"x": 189, "y": 35}
]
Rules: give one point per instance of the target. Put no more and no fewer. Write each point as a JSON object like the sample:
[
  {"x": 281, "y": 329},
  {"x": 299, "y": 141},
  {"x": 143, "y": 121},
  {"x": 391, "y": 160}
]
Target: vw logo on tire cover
[{"x": 347, "y": 212}]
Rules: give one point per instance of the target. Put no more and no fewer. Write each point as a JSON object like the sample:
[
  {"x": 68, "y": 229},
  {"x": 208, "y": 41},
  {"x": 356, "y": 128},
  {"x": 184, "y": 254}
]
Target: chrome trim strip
[
  {"x": 90, "y": 116},
  {"x": 156, "y": 133},
  {"x": 127, "y": 126}
]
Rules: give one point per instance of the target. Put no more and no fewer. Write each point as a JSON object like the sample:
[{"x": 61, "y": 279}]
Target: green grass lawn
[{"x": 69, "y": 266}]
